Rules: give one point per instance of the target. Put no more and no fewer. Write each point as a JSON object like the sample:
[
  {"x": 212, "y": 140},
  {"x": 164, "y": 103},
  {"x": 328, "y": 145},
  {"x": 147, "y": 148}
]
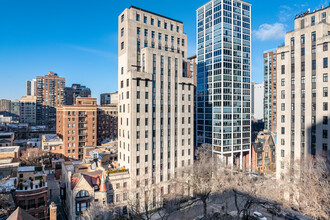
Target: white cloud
[{"x": 270, "y": 32}]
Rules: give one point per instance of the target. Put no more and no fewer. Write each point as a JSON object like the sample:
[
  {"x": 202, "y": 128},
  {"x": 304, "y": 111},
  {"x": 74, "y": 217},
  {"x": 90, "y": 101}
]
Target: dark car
[{"x": 290, "y": 217}]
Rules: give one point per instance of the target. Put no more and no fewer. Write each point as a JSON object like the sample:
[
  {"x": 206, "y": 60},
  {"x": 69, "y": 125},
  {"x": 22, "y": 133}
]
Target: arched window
[{"x": 82, "y": 194}]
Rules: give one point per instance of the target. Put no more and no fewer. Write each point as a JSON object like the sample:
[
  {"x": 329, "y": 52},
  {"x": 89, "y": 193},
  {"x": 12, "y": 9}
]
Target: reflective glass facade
[{"x": 223, "y": 77}]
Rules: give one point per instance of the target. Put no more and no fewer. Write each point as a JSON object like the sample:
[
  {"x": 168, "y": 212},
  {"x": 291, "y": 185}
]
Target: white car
[{"x": 259, "y": 216}]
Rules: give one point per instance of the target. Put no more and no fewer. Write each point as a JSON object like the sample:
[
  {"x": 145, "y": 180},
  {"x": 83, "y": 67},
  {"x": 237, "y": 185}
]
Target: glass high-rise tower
[{"x": 223, "y": 79}]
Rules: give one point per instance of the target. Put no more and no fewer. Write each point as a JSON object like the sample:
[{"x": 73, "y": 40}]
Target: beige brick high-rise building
[
  {"x": 77, "y": 126},
  {"x": 50, "y": 95},
  {"x": 156, "y": 100},
  {"x": 302, "y": 90}
]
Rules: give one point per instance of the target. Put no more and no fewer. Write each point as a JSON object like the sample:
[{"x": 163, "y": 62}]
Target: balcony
[
  {"x": 82, "y": 126},
  {"x": 82, "y": 138}
]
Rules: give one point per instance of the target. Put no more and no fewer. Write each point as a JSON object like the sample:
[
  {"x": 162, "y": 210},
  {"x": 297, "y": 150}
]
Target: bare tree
[
  {"x": 309, "y": 188},
  {"x": 204, "y": 177},
  {"x": 99, "y": 211},
  {"x": 144, "y": 201},
  {"x": 33, "y": 156}
]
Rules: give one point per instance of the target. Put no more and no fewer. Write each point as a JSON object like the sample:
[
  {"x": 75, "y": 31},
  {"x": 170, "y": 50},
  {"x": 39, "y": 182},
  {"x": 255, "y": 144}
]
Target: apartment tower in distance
[
  {"x": 270, "y": 90},
  {"x": 77, "y": 126},
  {"x": 302, "y": 90},
  {"x": 50, "y": 95},
  {"x": 156, "y": 101},
  {"x": 223, "y": 79}
]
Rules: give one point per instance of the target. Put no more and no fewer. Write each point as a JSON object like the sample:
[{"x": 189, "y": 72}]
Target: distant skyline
[{"x": 78, "y": 39}]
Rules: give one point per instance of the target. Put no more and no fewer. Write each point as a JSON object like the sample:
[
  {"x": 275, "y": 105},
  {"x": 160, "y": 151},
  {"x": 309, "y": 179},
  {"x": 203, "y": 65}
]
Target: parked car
[
  {"x": 290, "y": 217},
  {"x": 258, "y": 216}
]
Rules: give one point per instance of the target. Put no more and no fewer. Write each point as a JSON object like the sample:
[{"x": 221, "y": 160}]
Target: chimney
[{"x": 52, "y": 211}]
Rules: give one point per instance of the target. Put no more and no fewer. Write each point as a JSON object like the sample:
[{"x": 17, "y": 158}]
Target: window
[
  {"x": 137, "y": 17},
  {"x": 146, "y": 32},
  {"x": 302, "y": 39},
  {"x": 282, "y": 56},
  {"x": 283, "y": 94},
  {"x": 325, "y": 46},
  {"x": 159, "y": 36},
  {"x": 122, "y": 18},
  {"x": 145, "y": 19},
  {"x": 137, "y": 107},
  {"x": 325, "y": 92},
  {"x": 122, "y": 70},
  {"x": 325, "y": 77},
  {"x": 31, "y": 204},
  {"x": 283, "y": 118},
  {"x": 325, "y": 62},
  {"x": 152, "y": 21},
  {"x": 283, "y": 69},
  {"x": 165, "y": 25},
  {"x": 282, "y": 141},
  {"x": 313, "y": 64},
  {"x": 138, "y": 94},
  {"x": 137, "y": 159},
  {"x": 138, "y": 30},
  {"x": 282, "y": 82},
  {"x": 313, "y": 20},
  {"x": 325, "y": 120},
  {"x": 122, "y": 32},
  {"x": 283, "y": 106},
  {"x": 122, "y": 45},
  {"x": 325, "y": 134},
  {"x": 146, "y": 108},
  {"x": 177, "y": 29},
  {"x": 138, "y": 135},
  {"x": 159, "y": 23},
  {"x": 313, "y": 36},
  {"x": 324, "y": 16}
]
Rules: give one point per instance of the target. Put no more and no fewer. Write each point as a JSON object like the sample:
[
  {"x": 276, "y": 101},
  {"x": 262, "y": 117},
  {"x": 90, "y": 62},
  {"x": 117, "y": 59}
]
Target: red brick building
[
  {"x": 263, "y": 153},
  {"x": 31, "y": 192},
  {"x": 77, "y": 126}
]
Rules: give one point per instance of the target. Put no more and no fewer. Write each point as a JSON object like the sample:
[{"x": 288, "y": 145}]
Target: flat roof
[
  {"x": 9, "y": 149},
  {"x": 155, "y": 14},
  {"x": 26, "y": 169},
  {"x": 6, "y": 133},
  {"x": 306, "y": 13}
]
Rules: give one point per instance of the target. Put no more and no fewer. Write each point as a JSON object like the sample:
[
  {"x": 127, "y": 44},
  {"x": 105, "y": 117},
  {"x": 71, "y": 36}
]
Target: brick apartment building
[
  {"x": 31, "y": 192},
  {"x": 77, "y": 126},
  {"x": 107, "y": 122},
  {"x": 50, "y": 95}
]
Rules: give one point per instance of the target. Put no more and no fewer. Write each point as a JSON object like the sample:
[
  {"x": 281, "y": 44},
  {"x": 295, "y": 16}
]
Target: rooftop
[
  {"x": 155, "y": 14},
  {"x": 9, "y": 149},
  {"x": 26, "y": 169},
  {"x": 308, "y": 12},
  {"x": 51, "y": 137}
]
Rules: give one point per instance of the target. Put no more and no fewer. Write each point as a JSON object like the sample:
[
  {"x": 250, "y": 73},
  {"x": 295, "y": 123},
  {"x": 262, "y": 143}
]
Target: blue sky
[{"x": 78, "y": 38}]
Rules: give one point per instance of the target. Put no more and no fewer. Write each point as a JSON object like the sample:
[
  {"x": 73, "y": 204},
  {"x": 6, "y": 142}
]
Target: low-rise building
[
  {"x": 52, "y": 143},
  {"x": 10, "y": 152},
  {"x": 31, "y": 192},
  {"x": 28, "y": 143},
  {"x": 263, "y": 152},
  {"x": 86, "y": 183},
  {"x": 6, "y": 139}
]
